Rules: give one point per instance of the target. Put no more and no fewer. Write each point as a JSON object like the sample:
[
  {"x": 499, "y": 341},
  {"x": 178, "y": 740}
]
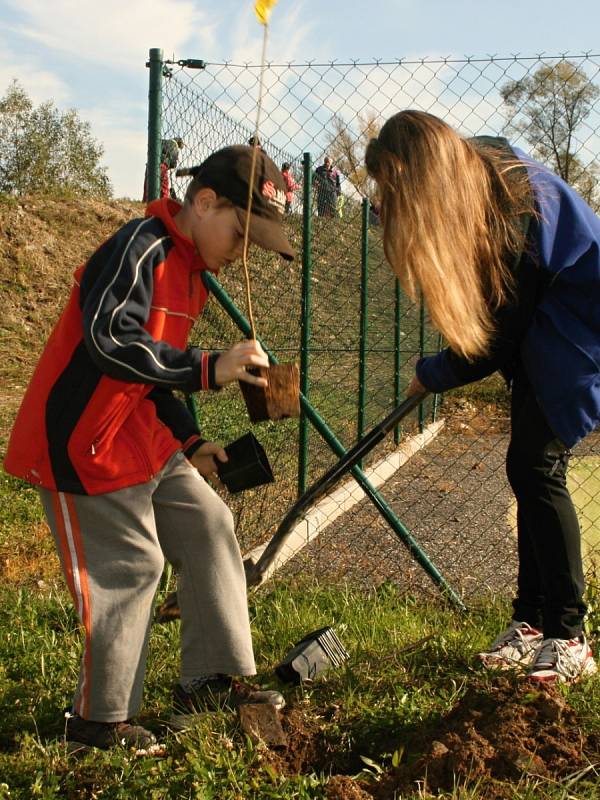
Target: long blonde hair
[{"x": 450, "y": 214}]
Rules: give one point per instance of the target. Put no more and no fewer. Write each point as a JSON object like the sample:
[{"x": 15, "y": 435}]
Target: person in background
[
  {"x": 507, "y": 257},
  {"x": 290, "y": 186},
  {"x": 170, "y": 152},
  {"x": 254, "y": 140},
  {"x": 327, "y": 188},
  {"x": 374, "y": 218},
  {"x": 169, "y": 157}
]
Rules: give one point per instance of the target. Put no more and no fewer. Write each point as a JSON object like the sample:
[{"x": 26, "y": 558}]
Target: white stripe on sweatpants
[{"x": 73, "y": 553}]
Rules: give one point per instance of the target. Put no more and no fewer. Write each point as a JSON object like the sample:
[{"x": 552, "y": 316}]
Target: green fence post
[
  {"x": 397, "y": 360},
  {"x": 421, "y": 354},
  {"x": 364, "y": 320},
  {"x": 305, "y": 320},
  {"x": 155, "y": 63},
  {"x": 154, "y": 123}
]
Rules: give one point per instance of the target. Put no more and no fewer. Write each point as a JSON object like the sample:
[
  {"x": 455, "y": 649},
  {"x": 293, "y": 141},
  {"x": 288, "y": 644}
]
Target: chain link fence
[{"x": 442, "y": 472}]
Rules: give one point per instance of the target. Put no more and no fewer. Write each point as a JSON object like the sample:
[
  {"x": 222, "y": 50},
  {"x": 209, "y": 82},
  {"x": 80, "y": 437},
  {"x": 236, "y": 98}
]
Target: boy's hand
[
  {"x": 231, "y": 365},
  {"x": 205, "y": 460}
]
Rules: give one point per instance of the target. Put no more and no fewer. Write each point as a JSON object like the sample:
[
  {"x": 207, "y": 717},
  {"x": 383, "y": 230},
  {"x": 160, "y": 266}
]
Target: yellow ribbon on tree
[{"x": 263, "y": 10}]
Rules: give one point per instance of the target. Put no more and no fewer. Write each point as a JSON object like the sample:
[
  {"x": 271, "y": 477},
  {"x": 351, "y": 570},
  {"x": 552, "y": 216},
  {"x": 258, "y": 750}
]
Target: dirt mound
[
  {"x": 304, "y": 751},
  {"x": 493, "y": 736},
  {"x": 497, "y": 734},
  {"x": 340, "y": 787}
]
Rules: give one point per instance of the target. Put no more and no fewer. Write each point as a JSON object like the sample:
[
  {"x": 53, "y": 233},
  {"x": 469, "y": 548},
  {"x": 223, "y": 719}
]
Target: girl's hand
[
  {"x": 416, "y": 387},
  {"x": 205, "y": 460},
  {"x": 231, "y": 365}
]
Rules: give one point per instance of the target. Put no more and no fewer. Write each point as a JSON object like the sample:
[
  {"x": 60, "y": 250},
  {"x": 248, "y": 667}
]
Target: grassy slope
[{"x": 43, "y": 241}]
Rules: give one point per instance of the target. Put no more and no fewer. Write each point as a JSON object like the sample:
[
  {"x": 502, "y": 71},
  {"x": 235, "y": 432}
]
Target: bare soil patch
[
  {"x": 493, "y": 736},
  {"x": 496, "y": 735}
]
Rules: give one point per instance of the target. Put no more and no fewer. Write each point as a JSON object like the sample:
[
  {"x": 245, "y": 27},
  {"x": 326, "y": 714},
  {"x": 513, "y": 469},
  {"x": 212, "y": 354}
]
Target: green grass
[
  {"x": 26, "y": 551},
  {"x": 364, "y": 712}
]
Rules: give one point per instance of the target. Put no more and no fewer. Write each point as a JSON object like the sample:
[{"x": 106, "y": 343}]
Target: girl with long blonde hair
[{"x": 507, "y": 258}]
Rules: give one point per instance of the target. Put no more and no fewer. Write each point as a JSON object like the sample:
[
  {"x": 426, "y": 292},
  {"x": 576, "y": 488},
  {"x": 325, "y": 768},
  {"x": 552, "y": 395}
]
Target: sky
[{"x": 91, "y": 55}]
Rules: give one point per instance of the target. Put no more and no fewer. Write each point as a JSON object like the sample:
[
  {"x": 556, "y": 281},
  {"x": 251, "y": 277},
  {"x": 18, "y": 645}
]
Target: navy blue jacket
[{"x": 553, "y": 327}]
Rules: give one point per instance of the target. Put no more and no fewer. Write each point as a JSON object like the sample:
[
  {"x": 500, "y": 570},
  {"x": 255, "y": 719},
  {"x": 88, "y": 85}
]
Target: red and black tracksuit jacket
[{"x": 99, "y": 413}]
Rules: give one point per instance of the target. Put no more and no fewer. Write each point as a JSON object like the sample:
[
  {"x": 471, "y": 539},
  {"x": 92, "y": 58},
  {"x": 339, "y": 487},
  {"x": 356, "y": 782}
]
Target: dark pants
[
  {"x": 326, "y": 202},
  {"x": 550, "y": 583}
]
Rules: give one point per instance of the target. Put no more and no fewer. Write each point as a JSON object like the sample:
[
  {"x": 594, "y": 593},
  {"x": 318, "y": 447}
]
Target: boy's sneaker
[
  {"x": 515, "y": 648},
  {"x": 562, "y": 661},
  {"x": 222, "y": 693},
  {"x": 84, "y": 734}
]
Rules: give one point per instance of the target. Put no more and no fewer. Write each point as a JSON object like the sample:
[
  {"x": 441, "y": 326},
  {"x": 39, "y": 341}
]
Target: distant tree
[
  {"x": 547, "y": 108},
  {"x": 346, "y": 148},
  {"x": 45, "y": 150}
]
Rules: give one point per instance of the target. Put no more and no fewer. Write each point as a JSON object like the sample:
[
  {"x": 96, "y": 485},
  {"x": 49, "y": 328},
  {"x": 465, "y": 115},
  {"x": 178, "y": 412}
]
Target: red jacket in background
[
  {"x": 290, "y": 185},
  {"x": 165, "y": 189}
]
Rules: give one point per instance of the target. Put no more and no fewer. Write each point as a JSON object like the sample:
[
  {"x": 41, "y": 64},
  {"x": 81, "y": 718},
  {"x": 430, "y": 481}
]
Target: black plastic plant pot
[
  {"x": 248, "y": 465},
  {"x": 312, "y": 656}
]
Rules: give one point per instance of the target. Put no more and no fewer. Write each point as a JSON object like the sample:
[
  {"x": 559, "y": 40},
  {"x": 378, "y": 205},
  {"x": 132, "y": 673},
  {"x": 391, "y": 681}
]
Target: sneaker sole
[
  {"x": 77, "y": 749},
  {"x": 589, "y": 668}
]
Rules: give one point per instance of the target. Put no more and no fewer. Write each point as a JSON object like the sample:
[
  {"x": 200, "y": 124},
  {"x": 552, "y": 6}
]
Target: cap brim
[{"x": 267, "y": 234}]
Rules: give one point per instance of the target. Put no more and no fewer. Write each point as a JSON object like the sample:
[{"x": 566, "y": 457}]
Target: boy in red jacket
[{"x": 121, "y": 467}]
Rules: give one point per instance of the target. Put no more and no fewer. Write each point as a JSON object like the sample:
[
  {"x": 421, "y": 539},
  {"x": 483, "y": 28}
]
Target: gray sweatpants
[{"x": 112, "y": 548}]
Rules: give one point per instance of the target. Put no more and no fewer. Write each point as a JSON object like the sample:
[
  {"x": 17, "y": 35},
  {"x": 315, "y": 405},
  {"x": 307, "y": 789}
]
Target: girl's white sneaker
[
  {"x": 515, "y": 648},
  {"x": 562, "y": 661}
]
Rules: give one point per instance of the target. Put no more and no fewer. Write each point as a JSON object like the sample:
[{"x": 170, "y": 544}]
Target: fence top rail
[{"x": 380, "y": 62}]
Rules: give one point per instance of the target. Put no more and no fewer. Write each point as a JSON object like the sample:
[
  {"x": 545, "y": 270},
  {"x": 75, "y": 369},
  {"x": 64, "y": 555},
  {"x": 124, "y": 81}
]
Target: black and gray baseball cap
[{"x": 228, "y": 172}]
